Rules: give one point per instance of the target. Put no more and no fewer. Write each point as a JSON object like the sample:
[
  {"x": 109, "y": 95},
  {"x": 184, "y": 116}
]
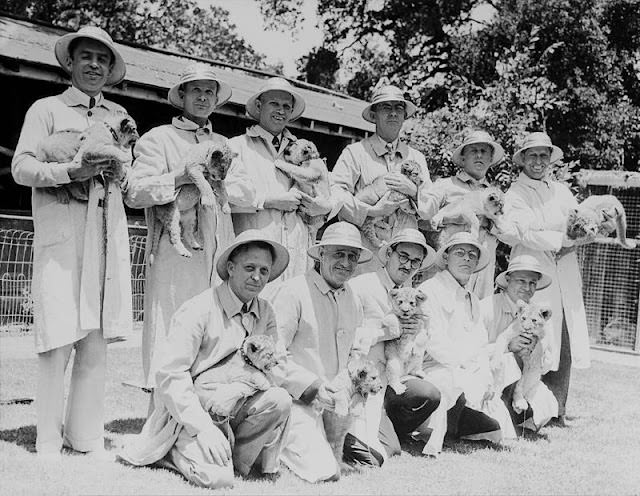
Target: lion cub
[
  {"x": 487, "y": 202},
  {"x": 310, "y": 175},
  {"x": 238, "y": 376},
  {"x": 404, "y": 354},
  {"x": 599, "y": 214},
  {"x": 110, "y": 139},
  {"x": 353, "y": 386},
  {"x": 378, "y": 229},
  {"x": 531, "y": 321},
  {"x": 207, "y": 164}
]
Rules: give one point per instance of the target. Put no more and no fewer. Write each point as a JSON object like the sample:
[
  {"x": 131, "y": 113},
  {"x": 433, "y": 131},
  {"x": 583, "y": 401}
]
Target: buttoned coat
[
  {"x": 536, "y": 214},
  {"x": 60, "y": 302},
  {"x": 172, "y": 279},
  {"x": 257, "y": 155},
  {"x": 358, "y": 166}
]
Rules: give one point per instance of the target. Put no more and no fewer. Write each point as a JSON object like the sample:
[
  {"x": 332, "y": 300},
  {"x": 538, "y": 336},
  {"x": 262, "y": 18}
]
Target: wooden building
[{"x": 29, "y": 71}]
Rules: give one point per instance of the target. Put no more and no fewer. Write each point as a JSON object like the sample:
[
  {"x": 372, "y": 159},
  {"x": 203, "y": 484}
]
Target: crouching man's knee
[{"x": 275, "y": 404}]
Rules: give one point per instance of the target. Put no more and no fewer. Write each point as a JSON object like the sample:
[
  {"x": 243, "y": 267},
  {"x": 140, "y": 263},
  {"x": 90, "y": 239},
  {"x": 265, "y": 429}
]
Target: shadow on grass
[
  {"x": 125, "y": 426},
  {"x": 24, "y": 437}
]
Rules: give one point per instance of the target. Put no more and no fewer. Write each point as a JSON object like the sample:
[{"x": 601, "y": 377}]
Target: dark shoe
[{"x": 559, "y": 421}]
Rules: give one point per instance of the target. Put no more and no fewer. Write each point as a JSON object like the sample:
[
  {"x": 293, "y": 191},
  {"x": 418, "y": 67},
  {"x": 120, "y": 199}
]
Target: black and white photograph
[{"x": 320, "y": 247}]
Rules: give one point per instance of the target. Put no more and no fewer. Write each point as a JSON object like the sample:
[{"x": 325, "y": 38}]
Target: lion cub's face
[
  {"x": 405, "y": 302},
  {"x": 493, "y": 202},
  {"x": 364, "y": 376},
  {"x": 411, "y": 169},
  {"x": 219, "y": 161},
  {"x": 582, "y": 224},
  {"x": 260, "y": 351},
  {"x": 125, "y": 128},
  {"x": 532, "y": 317},
  {"x": 300, "y": 151}
]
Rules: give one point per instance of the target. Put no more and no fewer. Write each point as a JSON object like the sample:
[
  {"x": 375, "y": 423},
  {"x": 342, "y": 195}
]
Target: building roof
[{"x": 150, "y": 72}]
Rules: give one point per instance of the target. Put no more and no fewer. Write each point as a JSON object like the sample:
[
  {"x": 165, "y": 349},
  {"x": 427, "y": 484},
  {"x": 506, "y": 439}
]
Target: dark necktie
[
  {"x": 276, "y": 143},
  {"x": 200, "y": 132},
  {"x": 92, "y": 103}
]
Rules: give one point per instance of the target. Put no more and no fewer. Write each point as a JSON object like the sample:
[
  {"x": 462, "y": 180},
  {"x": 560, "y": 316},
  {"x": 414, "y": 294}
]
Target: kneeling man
[
  {"x": 457, "y": 360},
  {"x": 318, "y": 317},
  {"x": 523, "y": 277},
  {"x": 395, "y": 415},
  {"x": 206, "y": 329}
]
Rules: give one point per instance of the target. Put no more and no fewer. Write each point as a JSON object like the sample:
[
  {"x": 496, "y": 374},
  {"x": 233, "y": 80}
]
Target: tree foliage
[
  {"x": 568, "y": 67},
  {"x": 178, "y": 25}
]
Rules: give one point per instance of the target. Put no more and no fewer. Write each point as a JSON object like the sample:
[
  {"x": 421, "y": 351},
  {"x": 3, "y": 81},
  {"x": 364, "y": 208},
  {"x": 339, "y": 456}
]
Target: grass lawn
[{"x": 598, "y": 454}]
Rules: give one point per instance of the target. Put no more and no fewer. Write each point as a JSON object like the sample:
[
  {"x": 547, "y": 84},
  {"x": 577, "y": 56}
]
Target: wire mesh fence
[
  {"x": 610, "y": 273},
  {"x": 16, "y": 270},
  {"x": 610, "y": 287}
]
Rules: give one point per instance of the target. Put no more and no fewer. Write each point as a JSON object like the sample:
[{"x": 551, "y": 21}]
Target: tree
[
  {"x": 409, "y": 38},
  {"x": 178, "y": 25}
]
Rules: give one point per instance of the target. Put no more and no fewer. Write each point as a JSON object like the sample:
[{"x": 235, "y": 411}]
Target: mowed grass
[{"x": 598, "y": 454}]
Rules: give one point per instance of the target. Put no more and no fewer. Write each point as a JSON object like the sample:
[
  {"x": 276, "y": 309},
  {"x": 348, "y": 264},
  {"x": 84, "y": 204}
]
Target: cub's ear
[
  {"x": 253, "y": 347},
  {"x": 546, "y": 313},
  {"x": 573, "y": 213},
  {"x": 420, "y": 296},
  {"x": 521, "y": 305},
  {"x": 394, "y": 292}
]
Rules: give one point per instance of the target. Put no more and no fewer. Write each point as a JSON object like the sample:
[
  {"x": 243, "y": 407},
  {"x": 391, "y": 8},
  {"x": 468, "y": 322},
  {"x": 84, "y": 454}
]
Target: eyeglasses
[
  {"x": 461, "y": 253},
  {"x": 403, "y": 259}
]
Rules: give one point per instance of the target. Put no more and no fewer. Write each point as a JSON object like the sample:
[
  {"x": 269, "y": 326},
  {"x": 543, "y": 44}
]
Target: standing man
[
  {"x": 392, "y": 414},
  {"x": 375, "y": 161},
  {"x": 523, "y": 277},
  {"x": 73, "y": 307},
  {"x": 536, "y": 209},
  {"x": 180, "y": 433},
  {"x": 317, "y": 316},
  {"x": 157, "y": 177},
  {"x": 457, "y": 360},
  {"x": 477, "y": 153},
  {"x": 274, "y": 210}
]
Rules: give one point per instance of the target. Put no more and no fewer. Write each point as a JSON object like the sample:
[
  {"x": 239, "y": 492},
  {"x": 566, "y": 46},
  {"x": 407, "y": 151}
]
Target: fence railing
[
  {"x": 16, "y": 270},
  {"x": 610, "y": 274}
]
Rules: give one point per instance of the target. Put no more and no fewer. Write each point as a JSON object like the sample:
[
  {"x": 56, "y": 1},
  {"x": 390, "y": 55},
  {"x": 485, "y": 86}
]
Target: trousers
[
  {"x": 558, "y": 380},
  {"x": 256, "y": 434},
  {"x": 83, "y": 427},
  {"x": 400, "y": 416}
]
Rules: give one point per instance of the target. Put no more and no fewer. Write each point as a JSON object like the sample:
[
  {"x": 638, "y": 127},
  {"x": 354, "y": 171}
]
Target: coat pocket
[{"x": 51, "y": 220}]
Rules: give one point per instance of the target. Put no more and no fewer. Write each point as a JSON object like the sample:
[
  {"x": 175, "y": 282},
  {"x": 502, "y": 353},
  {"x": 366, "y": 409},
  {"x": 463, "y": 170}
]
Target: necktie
[
  {"x": 391, "y": 150},
  {"x": 92, "y": 103},
  {"x": 276, "y": 143},
  {"x": 246, "y": 318},
  {"x": 201, "y": 132}
]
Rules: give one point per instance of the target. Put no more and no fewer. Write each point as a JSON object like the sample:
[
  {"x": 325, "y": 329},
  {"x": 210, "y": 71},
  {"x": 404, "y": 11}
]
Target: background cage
[
  {"x": 16, "y": 270},
  {"x": 610, "y": 273}
]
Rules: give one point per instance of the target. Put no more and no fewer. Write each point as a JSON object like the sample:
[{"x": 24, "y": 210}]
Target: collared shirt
[
  {"x": 391, "y": 151},
  {"x": 498, "y": 312},
  {"x": 317, "y": 323},
  {"x": 457, "y": 335},
  {"x": 359, "y": 165},
  {"x": 206, "y": 329},
  {"x": 256, "y": 157}
]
